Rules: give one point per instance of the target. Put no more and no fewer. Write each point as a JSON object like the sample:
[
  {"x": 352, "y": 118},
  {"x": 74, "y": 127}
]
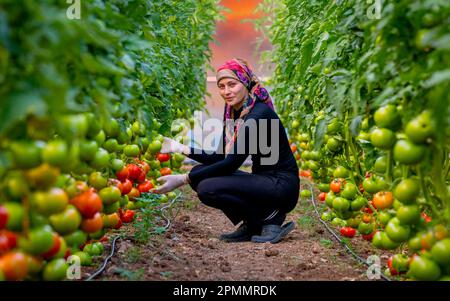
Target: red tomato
[
  {"x": 393, "y": 271},
  {"x": 123, "y": 174},
  {"x": 8, "y": 241},
  {"x": 348, "y": 232},
  {"x": 3, "y": 217},
  {"x": 88, "y": 203},
  {"x": 141, "y": 177},
  {"x": 134, "y": 171},
  {"x": 368, "y": 237},
  {"x": 118, "y": 225},
  {"x": 305, "y": 174},
  {"x": 426, "y": 217},
  {"x": 146, "y": 186},
  {"x": 143, "y": 165},
  {"x": 125, "y": 186},
  {"x": 322, "y": 196},
  {"x": 163, "y": 157},
  {"x": 128, "y": 216}
]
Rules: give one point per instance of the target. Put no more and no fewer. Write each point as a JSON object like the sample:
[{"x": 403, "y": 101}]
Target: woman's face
[{"x": 233, "y": 92}]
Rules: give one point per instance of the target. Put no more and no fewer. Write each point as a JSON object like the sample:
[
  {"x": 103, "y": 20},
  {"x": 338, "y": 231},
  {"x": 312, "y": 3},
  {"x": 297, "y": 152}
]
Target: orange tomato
[
  {"x": 165, "y": 171},
  {"x": 293, "y": 148},
  {"x": 383, "y": 199},
  {"x": 14, "y": 265},
  {"x": 335, "y": 185},
  {"x": 94, "y": 224}
]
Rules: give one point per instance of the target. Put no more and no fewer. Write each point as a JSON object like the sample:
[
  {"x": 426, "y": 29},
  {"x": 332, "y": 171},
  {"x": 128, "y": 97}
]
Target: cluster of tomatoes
[
  {"x": 59, "y": 197},
  {"x": 390, "y": 206}
]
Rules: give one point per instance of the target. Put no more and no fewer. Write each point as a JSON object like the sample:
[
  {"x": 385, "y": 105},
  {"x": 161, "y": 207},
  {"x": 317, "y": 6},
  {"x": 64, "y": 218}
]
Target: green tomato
[
  {"x": 382, "y": 138},
  {"x": 39, "y": 241},
  {"x": 76, "y": 238},
  {"x": 424, "y": 269},
  {"x": 441, "y": 251},
  {"x": 380, "y": 165},
  {"x": 131, "y": 150},
  {"x": 407, "y": 191},
  {"x": 408, "y": 215},
  {"x": 414, "y": 244},
  {"x": 117, "y": 164},
  {"x": 111, "y": 128},
  {"x": 327, "y": 216},
  {"x": 387, "y": 243},
  {"x": 88, "y": 149},
  {"x": 155, "y": 146},
  {"x": 26, "y": 154},
  {"x": 49, "y": 202},
  {"x": 387, "y": 117},
  {"x": 341, "y": 172},
  {"x": 100, "y": 138},
  {"x": 358, "y": 203},
  {"x": 324, "y": 187},
  {"x": 421, "y": 128},
  {"x": 305, "y": 193},
  {"x": 97, "y": 180},
  {"x": 384, "y": 217},
  {"x": 341, "y": 204},
  {"x": 101, "y": 159},
  {"x": 55, "y": 153},
  {"x": 400, "y": 262},
  {"x": 111, "y": 208},
  {"x": 329, "y": 199},
  {"x": 338, "y": 222},
  {"x": 333, "y": 144},
  {"x": 67, "y": 221},
  {"x": 85, "y": 258},
  {"x": 406, "y": 152},
  {"x": 397, "y": 232},
  {"x": 365, "y": 228},
  {"x": 111, "y": 145},
  {"x": 110, "y": 195},
  {"x": 370, "y": 186},
  {"x": 350, "y": 191},
  {"x": 16, "y": 214},
  {"x": 55, "y": 270}
]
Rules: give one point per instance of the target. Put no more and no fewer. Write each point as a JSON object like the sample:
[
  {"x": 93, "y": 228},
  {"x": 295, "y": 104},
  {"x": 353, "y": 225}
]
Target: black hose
[
  {"x": 113, "y": 243},
  {"x": 359, "y": 258}
]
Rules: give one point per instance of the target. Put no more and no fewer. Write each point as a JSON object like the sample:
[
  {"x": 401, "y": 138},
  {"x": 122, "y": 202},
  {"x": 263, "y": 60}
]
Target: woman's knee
[{"x": 207, "y": 192}]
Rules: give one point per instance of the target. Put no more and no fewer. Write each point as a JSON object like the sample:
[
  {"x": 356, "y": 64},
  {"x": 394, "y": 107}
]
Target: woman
[{"x": 260, "y": 199}]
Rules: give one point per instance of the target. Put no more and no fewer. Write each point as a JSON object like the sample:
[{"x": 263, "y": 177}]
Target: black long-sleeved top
[{"x": 219, "y": 165}]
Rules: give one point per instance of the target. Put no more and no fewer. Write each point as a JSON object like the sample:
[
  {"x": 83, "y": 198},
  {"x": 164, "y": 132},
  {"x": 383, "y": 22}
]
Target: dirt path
[{"x": 190, "y": 250}]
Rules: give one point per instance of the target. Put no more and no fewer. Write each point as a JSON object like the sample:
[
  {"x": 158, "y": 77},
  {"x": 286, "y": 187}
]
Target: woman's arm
[
  {"x": 227, "y": 165},
  {"x": 201, "y": 156}
]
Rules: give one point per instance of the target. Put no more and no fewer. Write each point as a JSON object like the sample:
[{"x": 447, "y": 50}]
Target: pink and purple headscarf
[{"x": 239, "y": 70}]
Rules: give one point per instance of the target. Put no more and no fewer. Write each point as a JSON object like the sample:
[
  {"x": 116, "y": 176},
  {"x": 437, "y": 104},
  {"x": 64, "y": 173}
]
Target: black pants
[{"x": 249, "y": 197}]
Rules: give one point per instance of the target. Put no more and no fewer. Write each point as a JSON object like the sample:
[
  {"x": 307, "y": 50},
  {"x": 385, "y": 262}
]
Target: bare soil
[{"x": 190, "y": 250}]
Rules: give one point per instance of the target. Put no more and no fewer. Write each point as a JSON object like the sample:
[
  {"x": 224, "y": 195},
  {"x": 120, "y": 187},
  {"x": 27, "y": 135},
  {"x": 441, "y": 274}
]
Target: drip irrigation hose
[
  {"x": 113, "y": 243},
  {"x": 359, "y": 258}
]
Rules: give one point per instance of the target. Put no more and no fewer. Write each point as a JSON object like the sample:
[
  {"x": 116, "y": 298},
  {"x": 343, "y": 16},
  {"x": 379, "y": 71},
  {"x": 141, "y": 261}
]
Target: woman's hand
[
  {"x": 171, "y": 182},
  {"x": 172, "y": 146}
]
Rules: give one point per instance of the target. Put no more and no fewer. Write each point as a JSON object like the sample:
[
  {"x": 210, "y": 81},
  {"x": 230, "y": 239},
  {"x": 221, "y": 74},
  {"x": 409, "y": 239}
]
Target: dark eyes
[{"x": 230, "y": 85}]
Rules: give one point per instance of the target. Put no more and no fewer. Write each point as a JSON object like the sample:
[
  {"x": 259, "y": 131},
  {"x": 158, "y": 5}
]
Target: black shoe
[
  {"x": 243, "y": 233},
  {"x": 273, "y": 233}
]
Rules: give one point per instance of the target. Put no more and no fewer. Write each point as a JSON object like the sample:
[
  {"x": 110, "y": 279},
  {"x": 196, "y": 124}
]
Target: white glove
[
  {"x": 171, "y": 182},
  {"x": 172, "y": 146}
]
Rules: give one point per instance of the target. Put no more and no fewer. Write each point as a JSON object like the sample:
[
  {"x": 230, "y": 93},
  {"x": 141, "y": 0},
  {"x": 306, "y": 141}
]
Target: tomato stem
[
  {"x": 429, "y": 201},
  {"x": 388, "y": 174}
]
